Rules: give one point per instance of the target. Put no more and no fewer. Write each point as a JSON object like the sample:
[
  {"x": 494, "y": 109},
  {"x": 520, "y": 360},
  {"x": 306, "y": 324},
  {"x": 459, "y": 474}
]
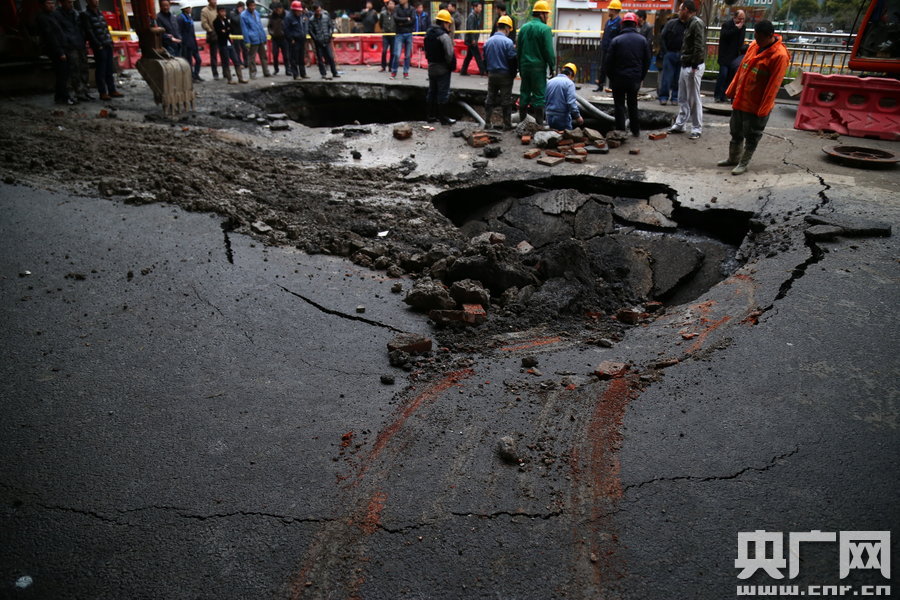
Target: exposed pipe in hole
[
  {"x": 471, "y": 111},
  {"x": 593, "y": 109}
]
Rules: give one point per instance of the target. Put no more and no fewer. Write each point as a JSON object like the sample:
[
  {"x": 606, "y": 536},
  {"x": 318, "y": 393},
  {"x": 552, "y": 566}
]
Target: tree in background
[
  {"x": 842, "y": 12},
  {"x": 798, "y": 10}
]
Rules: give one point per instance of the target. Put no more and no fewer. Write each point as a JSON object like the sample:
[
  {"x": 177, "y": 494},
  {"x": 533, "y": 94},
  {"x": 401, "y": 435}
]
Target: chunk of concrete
[
  {"x": 469, "y": 291},
  {"x": 428, "y": 295},
  {"x": 635, "y": 210},
  {"x": 539, "y": 227},
  {"x": 556, "y": 202},
  {"x": 593, "y": 219},
  {"x": 546, "y": 139},
  {"x": 853, "y": 226}
]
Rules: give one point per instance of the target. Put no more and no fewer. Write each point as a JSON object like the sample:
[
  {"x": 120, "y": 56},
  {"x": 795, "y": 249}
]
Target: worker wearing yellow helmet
[
  {"x": 536, "y": 59},
  {"x": 562, "y": 108},
  {"x": 500, "y": 56},
  {"x": 612, "y": 29},
  {"x": 441, "y": 63}
]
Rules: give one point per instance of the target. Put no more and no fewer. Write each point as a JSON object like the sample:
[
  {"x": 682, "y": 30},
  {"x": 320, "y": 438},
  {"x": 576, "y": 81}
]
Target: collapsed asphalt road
[{"x": 190, "y": 413}]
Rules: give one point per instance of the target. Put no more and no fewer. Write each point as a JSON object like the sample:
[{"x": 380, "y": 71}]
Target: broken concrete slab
[
  {"x": 823, "y": 233},
  {"x": 540, "y": 228},
  {"x": 528, "y": 126},
  {"x": 852, "y": 226},
  {"x": 636, "y": 210},
  {"x": 662, "y": 204},
  {"x": 547, "y": 139},
  {"x": 593, "y": 219},
  {"x": 556, "y": 202}
]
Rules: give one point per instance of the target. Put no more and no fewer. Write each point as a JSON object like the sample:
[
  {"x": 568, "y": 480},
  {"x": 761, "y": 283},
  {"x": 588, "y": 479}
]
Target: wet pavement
[{"x": 191, "y": 413}]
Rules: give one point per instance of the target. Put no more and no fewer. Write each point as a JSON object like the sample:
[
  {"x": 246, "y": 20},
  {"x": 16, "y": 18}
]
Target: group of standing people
[{"x": 66, "y": 33}]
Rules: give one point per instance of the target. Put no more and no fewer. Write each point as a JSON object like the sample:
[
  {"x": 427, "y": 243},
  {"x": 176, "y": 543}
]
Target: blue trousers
[
  {"x": 726, "y": 74},
  {"x": 402, "y": 40},
  {"x": 668, "y": 84}
]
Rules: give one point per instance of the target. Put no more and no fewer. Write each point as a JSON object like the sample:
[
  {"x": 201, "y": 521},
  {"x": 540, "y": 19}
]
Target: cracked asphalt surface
[{"x": 187, "y": 416}]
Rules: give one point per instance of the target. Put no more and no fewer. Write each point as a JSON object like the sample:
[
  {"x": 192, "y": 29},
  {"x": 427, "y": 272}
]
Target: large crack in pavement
[
  {"x": 180, "y": 512},
  {"x": 773, "y": 462},
  {"x": 337, "y": 313}
]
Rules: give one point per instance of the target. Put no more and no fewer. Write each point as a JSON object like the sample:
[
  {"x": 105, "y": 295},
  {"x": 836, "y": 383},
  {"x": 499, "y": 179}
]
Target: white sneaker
[{"x": 676, "y": 129}]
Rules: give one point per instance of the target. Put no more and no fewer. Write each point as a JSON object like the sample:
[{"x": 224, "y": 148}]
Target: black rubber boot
[{"x": 442, "y": 115}]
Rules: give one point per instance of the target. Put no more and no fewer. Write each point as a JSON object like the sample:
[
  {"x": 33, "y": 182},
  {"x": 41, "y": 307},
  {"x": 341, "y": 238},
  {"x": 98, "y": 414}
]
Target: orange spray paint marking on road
[
  {"x": 410, "y": 408},
  {"x": 372, "y": 519},
  {"x": 701, "y": 339},
  {"x": 532, "y": 344}
]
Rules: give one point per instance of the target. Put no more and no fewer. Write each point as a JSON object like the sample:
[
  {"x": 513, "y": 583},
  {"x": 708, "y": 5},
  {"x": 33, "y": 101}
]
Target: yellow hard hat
[
  {"x": 614, "y": 5},
  {"x": 543, "y": 6},
  {"x": 571, "y": 66},
  {"x": 505, "y": 20},
  {"x": 444, "y": 15}
]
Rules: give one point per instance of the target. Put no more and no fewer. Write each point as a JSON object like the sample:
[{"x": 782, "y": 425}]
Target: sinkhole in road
[
  {"x": 334, "y": 104},
  {"x": 593, "y": 241}
]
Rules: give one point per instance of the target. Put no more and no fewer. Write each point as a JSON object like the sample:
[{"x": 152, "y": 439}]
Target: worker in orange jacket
[{"x": 753, "y": 91}]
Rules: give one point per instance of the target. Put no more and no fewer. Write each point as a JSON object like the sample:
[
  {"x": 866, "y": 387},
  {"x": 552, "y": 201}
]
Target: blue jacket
[
  {"x": 186, "y": 30},
  {"x": 560, "y": 96},
  {"x": 500, "y": 54},
  {"x": 628, "y": 57},
  {"x": 251, "y": 27},
  {"x": 613, "y": 28},
  {"x": 296, "y": 28}
]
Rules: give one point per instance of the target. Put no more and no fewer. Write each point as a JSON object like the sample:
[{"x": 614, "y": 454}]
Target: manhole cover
[{"x": 860, "y": 156}]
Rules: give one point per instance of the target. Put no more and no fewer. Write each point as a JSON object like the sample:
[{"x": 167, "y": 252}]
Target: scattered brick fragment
[{"x": 609, "y": 369}]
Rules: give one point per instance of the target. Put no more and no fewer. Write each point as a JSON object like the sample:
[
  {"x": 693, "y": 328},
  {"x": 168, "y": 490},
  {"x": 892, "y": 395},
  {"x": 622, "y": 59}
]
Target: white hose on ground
[
  {"x": 472, "y": 112},
  {"x": 593, "y": 109}
]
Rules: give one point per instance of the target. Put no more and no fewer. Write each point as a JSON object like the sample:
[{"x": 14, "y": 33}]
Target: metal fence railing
[{"x": 826, "y": 53}]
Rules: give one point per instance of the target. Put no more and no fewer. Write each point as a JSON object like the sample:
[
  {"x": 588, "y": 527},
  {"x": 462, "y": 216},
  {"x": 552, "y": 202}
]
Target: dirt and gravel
[{"x": 550, "y": 250}]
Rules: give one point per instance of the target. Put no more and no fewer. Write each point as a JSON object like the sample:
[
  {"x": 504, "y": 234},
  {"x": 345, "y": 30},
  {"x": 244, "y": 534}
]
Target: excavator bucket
[{"x": 171, "y": 82}]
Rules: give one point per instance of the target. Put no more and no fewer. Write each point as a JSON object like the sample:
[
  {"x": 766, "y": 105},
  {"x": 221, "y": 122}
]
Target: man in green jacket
[{"x": 536, "y": 58}]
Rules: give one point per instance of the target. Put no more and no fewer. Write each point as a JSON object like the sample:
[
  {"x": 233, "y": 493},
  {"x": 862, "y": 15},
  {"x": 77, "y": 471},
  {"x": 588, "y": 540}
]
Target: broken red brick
[
  {"x": 580, "y": 151},
  {"x": 410, "y": 343},
  {"x": 555, "y": 154},
  {"x": 526, "y": 139},
  {"x": 474, "y": 313},
  {"x": 629, "y": 315},
  {"x": 478, "y": 142},
  {"x": 613, "y": 143},
  {"x": 533, "y": 153},
  {"x": 103, "y": 114},
  {"x": 689, "y": 336},
  {"x": 661, "y": 135},
  {"x": 609, "y": 369},
  {"x": 564, "y": 143},
  {"x": 443, "y": 317},
  {"x": 634, "y": 151},
  {"x": 600, "y": 143},
  {"x": 653, "y": 306},
  {"x": 578, "y": 145},
  {"x": 402, "y": 132},
  {"x": 576, "y": 158}
]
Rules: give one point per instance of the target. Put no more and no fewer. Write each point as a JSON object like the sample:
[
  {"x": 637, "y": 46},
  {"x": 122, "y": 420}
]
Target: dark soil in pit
[
  {"x": 321, "y": 104},
  {"x": 597, "y": 245},
  {"x": 581, "y": 245}
]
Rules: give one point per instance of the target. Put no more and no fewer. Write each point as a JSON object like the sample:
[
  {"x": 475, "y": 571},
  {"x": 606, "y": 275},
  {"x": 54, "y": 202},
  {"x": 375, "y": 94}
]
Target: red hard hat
[
  {"x": 630, "y": 17},
  {"x": 296, "y": 5}
]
